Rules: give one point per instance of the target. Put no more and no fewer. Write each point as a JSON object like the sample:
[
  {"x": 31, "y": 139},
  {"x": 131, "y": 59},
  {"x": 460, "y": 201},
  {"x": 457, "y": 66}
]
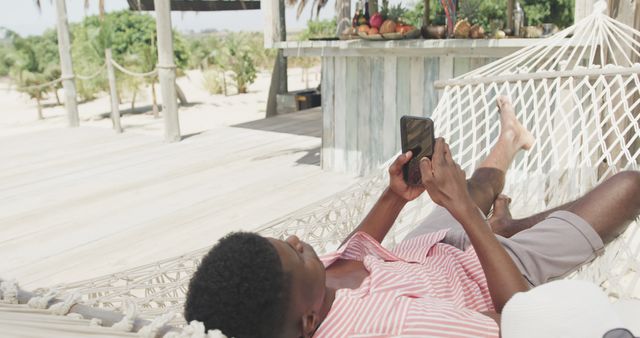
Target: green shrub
[
  {"x": 132, "y": 39},
  {"x": 213, "y": 81},
  {"x": 244, "y": 71},
  {"x": 483, "y": 12},
  {"x": 319, "y": 29}
]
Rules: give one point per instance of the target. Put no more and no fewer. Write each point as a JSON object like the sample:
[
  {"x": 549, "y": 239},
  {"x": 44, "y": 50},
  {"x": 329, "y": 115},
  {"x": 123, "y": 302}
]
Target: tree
[
  {"x": 132, "y": 39},
  {"x": 87, "y": 52},
  {"x": 319, "y": 29},
  {"x": 202, "y": 50},
  {"x": 315, "y": 29},
  {"x": 236, "y": 58},
  {"x": 35, "y": 62},
  {"x": 7, "y": 37},
  {"x": 483, "y": 12}
]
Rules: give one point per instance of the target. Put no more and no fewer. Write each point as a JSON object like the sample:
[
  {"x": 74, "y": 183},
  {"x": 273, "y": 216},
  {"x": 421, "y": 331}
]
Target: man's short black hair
[{"x": 239, "y": 288}]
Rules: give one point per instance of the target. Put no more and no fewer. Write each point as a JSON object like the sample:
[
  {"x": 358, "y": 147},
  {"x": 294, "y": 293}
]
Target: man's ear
[{"x": 310, "y": 321}]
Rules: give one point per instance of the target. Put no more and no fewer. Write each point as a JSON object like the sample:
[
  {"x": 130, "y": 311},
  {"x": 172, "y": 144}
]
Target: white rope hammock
[{"x": 578, "y": 92}]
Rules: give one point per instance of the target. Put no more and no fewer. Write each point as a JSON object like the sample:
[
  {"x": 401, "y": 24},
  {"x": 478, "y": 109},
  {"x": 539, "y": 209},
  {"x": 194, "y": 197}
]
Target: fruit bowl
[
  {"x": 349, "y": 36},
  {"x": 374, "y": 37},
  {"x": 413, "y": 34}
]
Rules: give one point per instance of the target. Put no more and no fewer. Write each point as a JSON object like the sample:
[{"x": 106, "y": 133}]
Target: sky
[{"x": 23, "y": 16}]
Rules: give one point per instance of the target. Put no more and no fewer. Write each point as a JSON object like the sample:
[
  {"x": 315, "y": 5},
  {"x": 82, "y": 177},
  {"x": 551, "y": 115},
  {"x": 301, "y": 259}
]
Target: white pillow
[{"x": 566, "y": 309}]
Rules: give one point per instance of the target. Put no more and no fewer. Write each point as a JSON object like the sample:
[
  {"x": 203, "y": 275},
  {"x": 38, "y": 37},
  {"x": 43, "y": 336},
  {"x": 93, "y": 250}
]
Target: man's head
[{"x": 251, "y": 286}]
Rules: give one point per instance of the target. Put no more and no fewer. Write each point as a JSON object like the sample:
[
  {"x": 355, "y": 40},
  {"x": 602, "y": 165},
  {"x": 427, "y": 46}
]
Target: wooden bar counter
[{"x": 368, "y": 85}]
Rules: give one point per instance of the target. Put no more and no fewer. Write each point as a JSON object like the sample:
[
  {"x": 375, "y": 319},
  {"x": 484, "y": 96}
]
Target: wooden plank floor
[{"x": 79, "y": 203}]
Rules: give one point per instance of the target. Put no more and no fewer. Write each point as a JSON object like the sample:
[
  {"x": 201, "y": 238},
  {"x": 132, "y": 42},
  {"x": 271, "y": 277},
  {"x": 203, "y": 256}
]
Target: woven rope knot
[
  {"x": 64, "y": 307},
  {"x": 9, "y": 291},
  {"x": 600, "y": 7},
  {"x": 42, "y": 302},
  {"x": 130, "y": 315},
  {"x": 75, "y": 315},
  {"x": 195, "y": 329},
  {"x": 151, "y": 330}
]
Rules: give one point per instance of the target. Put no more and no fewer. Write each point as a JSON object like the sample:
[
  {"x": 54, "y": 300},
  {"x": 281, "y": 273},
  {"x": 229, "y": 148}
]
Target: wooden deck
[{"x": 78, "y": 203}]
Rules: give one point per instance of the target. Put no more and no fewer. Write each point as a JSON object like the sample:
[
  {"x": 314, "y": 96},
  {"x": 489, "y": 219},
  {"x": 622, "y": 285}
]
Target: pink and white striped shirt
[{"x": 422, "y": 288}]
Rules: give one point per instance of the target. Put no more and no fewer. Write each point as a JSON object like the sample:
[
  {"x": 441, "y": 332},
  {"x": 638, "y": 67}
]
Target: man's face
[{"x": 307, "y": 279}]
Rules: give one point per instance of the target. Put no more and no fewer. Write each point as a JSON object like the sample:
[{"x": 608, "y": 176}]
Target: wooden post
[
  {"x": 270, "y": 8},
  {"x": 425, "y": 13},
  {"x": 510, "y": 7},
  {"x": 113, "y": 92},
  {"x": 343, "y": 13},
  {"x": 283, "y": 85},
  {"x": 167, "y": 71},
  {"x": 66, "y": 67},
  {"x": 279, "y": 77}
]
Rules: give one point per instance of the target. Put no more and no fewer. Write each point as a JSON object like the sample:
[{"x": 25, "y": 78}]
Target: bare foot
[
  {"x": 510, "y": 128},
  {"x": 500, "y": 220}
]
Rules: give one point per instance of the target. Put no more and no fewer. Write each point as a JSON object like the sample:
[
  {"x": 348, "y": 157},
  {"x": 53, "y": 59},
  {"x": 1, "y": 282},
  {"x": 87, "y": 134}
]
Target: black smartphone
[{"x": 416, "y": 134}]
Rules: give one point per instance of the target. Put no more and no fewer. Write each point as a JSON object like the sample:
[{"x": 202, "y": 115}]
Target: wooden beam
[
  {"x": 279, "y": 80},
  {"x": 271, "y": 10},
  {"x": 113, "y": 92},
  {"x": 510, "y": 7},
  {"x": 283, "y": 84},
  {"x": 167, "y": 71},
  {"x": 197, "y": 6},
  {"x": 66, "y": 66}
]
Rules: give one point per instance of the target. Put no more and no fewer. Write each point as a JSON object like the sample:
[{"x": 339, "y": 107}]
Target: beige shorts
[{"x": 549, "y": 250}]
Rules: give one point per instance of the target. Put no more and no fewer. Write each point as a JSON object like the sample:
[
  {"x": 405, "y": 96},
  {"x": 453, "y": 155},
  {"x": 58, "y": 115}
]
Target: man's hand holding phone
[
  {"x": 397, "y": 184},
  {"x": 443, "y": 178}
]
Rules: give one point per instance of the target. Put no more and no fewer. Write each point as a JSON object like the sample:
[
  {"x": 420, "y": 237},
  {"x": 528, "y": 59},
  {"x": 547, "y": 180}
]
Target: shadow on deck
[{"x": 304, "y": 123}]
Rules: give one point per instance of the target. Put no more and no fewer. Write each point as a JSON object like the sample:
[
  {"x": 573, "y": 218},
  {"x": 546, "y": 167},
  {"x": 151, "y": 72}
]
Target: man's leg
[
  {"x": 558, "y": 241},
  {"x": 608, "y": 208},
  {"x": 487, "y": 180}
]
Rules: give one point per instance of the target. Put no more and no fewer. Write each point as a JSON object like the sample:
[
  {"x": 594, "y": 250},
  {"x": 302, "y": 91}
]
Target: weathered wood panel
[
  {"x": 403, "y": 96},
  {"x": 430, "y": 96},
  {"x": 417, "y": 86},
  {"x": 370, "y": 94},
  {"x": 351, "y": 125},
  {"x": 363, "y": 127},
  {"x": 377, "y": 154},
  {"x": 389, "y": 103},
  {"x": 328, "y": 112},
  {"x": 340, "y": 106}
]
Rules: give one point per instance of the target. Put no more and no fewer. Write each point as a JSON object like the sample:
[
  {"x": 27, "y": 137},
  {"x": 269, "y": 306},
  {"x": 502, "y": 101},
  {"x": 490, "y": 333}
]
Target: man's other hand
[
  {"x": 397, "y": 183},
  {"x": 443, "y": 178}
]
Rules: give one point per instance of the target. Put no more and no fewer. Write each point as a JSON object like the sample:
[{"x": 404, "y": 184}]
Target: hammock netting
[{"x": 577, "y": 92}]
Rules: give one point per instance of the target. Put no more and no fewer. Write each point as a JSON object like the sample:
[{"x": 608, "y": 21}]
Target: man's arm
[
  {"x": 384, "y": 213},
  {"x": 445, "y": 182},
  {"x": 381, "y": 216}
]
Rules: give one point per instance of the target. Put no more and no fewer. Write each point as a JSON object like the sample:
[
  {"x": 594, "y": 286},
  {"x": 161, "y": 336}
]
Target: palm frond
[
  {"x": 319, "y": 4},
  {"x": 301, "y": 5}
]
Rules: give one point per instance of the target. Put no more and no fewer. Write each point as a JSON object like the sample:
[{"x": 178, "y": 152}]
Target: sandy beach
[{"x": 204, "y": 111}]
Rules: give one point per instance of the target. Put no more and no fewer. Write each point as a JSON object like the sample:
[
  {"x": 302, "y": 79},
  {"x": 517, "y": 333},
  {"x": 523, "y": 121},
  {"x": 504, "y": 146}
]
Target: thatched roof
[{"x": 197, "y": 5}]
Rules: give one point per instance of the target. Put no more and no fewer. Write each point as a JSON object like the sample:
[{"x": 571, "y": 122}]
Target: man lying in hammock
[{"x": 450, "y": 277}]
